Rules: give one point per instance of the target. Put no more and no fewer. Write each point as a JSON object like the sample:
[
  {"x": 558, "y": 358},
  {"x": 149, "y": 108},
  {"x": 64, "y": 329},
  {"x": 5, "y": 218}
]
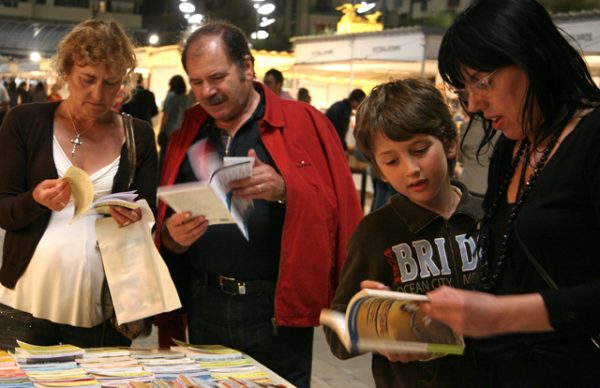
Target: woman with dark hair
[
  {"x": 535, "y": 323},
  {"x": 175, "y": 104}
]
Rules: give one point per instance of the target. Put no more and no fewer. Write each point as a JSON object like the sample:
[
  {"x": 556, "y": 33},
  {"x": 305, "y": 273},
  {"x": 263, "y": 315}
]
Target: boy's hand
[
  {"x": 373, "y": 285},
  {"x": 408, "y": 357}
]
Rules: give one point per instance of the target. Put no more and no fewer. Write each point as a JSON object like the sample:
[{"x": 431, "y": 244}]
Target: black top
[
  {"x": 339, "y": 115},
  {"x": 560, "y": 225},
  {"x": 142, "y": 105},
  {"x": 223, "y": 250}
]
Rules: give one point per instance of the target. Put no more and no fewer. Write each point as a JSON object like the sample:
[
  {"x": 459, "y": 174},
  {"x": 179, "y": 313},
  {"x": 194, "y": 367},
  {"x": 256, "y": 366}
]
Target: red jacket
[{"x": 322, "y": 202}]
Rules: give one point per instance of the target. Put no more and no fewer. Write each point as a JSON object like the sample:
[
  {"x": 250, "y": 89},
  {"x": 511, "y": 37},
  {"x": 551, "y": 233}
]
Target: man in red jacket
[{"x": 262, "y": 296}]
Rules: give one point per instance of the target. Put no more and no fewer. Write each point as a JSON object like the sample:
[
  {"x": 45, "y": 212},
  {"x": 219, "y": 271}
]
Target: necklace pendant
[{"x": 76, "y": 142}]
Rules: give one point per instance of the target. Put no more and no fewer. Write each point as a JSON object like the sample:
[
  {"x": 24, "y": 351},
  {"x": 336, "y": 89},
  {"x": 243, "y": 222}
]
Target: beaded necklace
[{"x": 488, "y": 276}]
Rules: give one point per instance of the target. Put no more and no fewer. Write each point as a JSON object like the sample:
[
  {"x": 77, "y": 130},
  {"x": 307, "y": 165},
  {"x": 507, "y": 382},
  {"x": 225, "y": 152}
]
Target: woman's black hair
[
  {"x": 177, "y": 84},
  {"x": 491, "y": 34}
]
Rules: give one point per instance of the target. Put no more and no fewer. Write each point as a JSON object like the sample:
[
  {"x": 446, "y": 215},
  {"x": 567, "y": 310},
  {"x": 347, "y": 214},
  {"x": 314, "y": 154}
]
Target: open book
[
  {"x": 378, "y": 320},
  {"x": 214, "y": 199},
  {"x": 82, "y": 192}
]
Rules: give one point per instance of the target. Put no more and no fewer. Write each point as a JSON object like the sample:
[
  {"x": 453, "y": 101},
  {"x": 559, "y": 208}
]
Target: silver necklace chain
[{"x": 76, "y": 141}]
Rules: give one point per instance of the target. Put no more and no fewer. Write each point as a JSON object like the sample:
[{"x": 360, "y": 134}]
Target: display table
[{"x": 66, "y": 365}]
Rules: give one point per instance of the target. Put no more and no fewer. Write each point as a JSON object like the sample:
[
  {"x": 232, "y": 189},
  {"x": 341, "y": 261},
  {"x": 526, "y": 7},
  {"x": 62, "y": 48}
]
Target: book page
[
  {"x": 82, "y": 190},
  {"x": 199, "y": 199}
]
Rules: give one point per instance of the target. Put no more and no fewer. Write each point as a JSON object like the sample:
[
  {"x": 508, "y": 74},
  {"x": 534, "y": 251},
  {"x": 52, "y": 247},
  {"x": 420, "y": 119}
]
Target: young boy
[{"x": 425, "y": 237}]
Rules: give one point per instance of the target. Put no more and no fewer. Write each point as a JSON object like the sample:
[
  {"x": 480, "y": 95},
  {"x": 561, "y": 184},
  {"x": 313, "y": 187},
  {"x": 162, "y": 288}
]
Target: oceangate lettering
[{"x": 424, "y": 286}]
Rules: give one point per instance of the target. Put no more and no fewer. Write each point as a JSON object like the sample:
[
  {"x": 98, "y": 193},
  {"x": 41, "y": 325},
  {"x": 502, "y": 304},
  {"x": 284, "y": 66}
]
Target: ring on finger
[
  {"x": 62, "y": 204},
  {"x": 259, "y": 186},
  {"x": 126, "y": 223}
]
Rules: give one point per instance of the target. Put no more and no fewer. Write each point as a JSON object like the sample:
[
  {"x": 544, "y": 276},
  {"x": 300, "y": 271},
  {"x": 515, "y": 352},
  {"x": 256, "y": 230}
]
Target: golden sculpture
[{"x": 351, "y": 22}]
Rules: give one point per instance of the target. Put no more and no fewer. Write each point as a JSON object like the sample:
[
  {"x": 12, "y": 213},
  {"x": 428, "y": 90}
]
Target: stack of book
[
  {"x": 184, "y": 365},
  {"x": 10, "y": 373}
]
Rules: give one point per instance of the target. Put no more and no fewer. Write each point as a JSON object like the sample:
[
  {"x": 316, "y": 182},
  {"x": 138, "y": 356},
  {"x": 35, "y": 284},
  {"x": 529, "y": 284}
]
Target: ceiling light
[
  {"x": 365, "y": 7},
  {"x": 153, "y": 39},
  {"x": 36, "y": 57},
  {"x": 260, "y": 34},
  {"x": 187, "y": 7},
  {"x": 266, "y": 22},
  {"x": 195, "y": 18},
  {"x": 266, "y": 9}
]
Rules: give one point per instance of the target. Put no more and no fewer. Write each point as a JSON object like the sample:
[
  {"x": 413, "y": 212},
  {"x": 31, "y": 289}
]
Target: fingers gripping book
[{"x": 389, "y": 321}]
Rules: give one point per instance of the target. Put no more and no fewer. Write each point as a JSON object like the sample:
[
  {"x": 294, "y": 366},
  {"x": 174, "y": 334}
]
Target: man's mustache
[{"x": 216, "y": 99}]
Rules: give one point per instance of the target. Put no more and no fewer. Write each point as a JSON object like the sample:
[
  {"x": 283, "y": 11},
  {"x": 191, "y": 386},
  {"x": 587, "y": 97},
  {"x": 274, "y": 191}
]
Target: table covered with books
[{"x": 180, "y": 366}]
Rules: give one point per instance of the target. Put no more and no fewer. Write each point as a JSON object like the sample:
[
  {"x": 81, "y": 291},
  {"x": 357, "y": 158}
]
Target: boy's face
[{"x": 416, "y": 168}]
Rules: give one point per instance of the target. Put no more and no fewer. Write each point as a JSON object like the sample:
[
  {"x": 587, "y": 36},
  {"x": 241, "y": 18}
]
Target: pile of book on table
[{"x": 183, "y": 365}]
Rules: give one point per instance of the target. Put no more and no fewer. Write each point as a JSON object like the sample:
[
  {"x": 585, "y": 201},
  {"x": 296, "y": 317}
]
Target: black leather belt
[{"x": 234, "y": 286}]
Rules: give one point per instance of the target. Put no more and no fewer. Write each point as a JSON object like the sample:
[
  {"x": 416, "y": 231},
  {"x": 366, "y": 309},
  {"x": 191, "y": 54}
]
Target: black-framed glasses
[{"x": 481, "y": 87}]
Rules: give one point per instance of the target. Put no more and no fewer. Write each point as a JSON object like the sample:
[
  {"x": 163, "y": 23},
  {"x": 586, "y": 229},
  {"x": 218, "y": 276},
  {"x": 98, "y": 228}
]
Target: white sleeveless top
[{"x": 63, "y": 281}]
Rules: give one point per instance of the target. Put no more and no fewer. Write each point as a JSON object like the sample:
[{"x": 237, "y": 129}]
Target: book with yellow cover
[{"x": 389, "y": 321}]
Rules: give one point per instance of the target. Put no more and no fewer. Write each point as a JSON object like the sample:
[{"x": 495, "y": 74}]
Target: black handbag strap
[
  {"x": 542, "y": 272},
  {"x": 536, "y": 264}
]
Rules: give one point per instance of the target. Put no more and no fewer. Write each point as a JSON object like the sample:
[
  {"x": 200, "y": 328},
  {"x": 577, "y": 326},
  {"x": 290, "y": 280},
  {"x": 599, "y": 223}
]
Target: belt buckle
[{"x": 241, "y": 286}]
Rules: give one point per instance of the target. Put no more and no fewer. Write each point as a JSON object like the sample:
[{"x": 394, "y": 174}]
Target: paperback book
[
  {"x": 213, "y": 199},
  {"x": 82, "y": 192},
  {"x": 378, "y": 320}
]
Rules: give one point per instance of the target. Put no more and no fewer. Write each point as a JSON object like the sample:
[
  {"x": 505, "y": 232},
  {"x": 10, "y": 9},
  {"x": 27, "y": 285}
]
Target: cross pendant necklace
[{"x": 77, "y": 140}]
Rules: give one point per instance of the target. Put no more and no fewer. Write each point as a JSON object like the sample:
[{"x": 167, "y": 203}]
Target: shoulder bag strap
[
  {"x": 542, "y": 272},
  {"x": 130, "y": 142},
  {"x": 536, "y": 264}
]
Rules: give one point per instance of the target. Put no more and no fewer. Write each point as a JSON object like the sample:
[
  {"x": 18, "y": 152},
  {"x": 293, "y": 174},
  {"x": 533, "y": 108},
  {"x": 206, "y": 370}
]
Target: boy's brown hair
[{"x": 401, "y": 109}]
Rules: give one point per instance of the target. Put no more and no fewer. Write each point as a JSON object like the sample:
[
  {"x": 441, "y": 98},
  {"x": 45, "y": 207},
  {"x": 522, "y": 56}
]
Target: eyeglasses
[{"x": 482, "y": 87}]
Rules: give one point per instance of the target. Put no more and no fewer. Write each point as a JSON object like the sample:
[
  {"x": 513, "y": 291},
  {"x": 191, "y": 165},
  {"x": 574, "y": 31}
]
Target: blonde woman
[{"x": 51, "y": 276}]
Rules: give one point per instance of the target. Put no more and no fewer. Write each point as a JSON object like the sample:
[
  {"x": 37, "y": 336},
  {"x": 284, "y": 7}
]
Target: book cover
[
  {"x": 389, "y": 321},
  {"x": 213, "y": 199}
]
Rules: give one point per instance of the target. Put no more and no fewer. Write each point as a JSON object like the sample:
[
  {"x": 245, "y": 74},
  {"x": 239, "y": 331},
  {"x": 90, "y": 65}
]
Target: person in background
[
  {"x": 23, "y": 94},
  {"x": 55, "y": 92},
  {"x": 474, "y": 162},
  {"x": 264, "y": 295},
  {"x": 52, "y": 276},
  {"x": 4, "y": 102},
  {"x": 39, "y": 92},
  {"x": 536, "y": 318},
  {"x": 141, "y": 104},
  {"x": 405, "y": 129},
  {"x": 176, "y": 102},
  {"x": 274, "y": 80},
  {"x": 339, "y": 113},
  {"x": 12, "y": 93},
  {"x": 304, "y": 95}
]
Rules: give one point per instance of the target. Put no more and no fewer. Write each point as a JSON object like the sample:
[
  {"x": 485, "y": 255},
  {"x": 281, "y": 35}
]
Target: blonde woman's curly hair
[{"x": 97, "y": 42}]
